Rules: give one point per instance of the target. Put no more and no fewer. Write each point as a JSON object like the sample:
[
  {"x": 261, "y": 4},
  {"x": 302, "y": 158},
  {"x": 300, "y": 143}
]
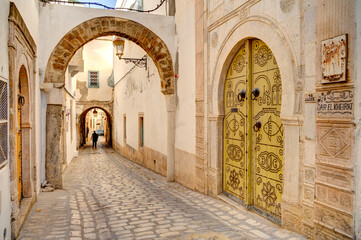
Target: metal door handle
[
  {"x": 257, "y": 126},
  {"x": 241, "y": 95},
  {"x": 255, "y": 93}
]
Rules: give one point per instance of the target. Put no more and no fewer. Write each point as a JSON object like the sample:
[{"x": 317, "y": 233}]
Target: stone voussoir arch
[
  {"x": 103, "y": 108},
  {"x": 105, "y": 26}
]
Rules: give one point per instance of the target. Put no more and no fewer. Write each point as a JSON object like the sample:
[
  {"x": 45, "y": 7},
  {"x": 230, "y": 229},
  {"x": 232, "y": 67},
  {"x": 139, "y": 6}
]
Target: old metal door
[
  {"x": 18, "y": 144},
  {"x": 253, "y": 133}
]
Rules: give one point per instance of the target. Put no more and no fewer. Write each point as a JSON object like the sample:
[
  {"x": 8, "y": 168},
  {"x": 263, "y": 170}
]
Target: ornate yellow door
[
  {"x": 253, "y": 133},
  {"x": 18, "y": 146}
]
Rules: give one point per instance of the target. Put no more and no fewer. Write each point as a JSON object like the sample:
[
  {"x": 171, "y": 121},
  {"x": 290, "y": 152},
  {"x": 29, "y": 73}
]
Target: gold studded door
[
  {"x": 268, "y": 132},
  {"x": 253, "y": 133},
  {"x": 235, "y": 161}
]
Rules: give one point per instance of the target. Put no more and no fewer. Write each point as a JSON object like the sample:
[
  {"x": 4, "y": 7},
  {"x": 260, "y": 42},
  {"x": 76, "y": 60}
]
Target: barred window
[
  {"x": 3, "y": 122},
  {"x": 93, "y": 81}
]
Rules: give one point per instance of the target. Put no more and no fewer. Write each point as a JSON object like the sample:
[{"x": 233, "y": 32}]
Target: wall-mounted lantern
[{"x": 119, "y": 51}]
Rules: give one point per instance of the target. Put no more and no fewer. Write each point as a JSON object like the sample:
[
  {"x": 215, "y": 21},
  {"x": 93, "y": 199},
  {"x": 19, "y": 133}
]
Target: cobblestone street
[{"x": 108, "y": 197}]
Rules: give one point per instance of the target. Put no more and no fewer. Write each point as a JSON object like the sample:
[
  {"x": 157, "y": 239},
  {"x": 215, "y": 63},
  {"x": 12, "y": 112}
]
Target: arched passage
[
  {"x": 55, "y": 77},
  {"x": 105, "y": 26},
  {"x": 82, "y": 126}
]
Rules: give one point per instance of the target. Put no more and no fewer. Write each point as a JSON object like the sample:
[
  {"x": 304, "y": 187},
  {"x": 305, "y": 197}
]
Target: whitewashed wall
[
  {"x": 138, "y": 91},
  {"x": 98, "y": 56},
  {"x": 147, "y": 5},
  {"x": 70, "y": 118},
  {"x": 185, "y": 84}
]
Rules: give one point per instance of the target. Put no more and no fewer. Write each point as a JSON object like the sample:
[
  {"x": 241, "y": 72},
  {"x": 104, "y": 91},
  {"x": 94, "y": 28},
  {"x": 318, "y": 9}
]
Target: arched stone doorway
[
  {"x": 83, "y": 133},
  {"x": 22, "y": 62},
  {"x": 266, "y": 30},
  {"x": 55, "y": 76}
]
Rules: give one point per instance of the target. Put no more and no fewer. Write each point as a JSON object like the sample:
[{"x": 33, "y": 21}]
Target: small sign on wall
[
  {"x": 334, "y": 59},
  {"x": 310, "y": 98},
  {"x": 335, "y": 103}
]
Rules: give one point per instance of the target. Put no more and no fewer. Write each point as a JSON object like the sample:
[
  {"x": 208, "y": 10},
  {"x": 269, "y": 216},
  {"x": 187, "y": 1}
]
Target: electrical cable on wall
[{"x": 104, "y": 6}]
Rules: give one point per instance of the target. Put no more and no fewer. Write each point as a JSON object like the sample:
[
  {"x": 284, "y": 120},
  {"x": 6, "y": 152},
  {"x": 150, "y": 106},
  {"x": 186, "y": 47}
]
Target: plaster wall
[
  {"x": 5, "y": 210},
  {"x": 98, "y": 56},
  {"x": 70, "y": 143},
  {"x": 137, "y": 91},
  {"x": 185, "y": 87},
  {"x": 147, "y": 5}
]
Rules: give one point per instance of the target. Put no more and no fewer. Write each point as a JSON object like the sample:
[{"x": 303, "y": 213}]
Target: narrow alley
[{"x": 105, "y": 196}]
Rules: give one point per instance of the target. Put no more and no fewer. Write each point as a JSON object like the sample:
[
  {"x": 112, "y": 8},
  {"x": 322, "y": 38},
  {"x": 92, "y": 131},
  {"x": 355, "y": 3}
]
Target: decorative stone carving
[
  {"x": 307, "y": 231},
  {"x": 309, "y": 175},
  {"x": 291, "y": 222},
  {"x": 307, "y": 213},
  {"x": 308, "y": 193},
  {"x": 336, "y": 177},
  {"x": 331, "y": 217},
  {"x": 214, "y": 39},
  {"x": 334, "y": 197},
  {"x": 324, "y": 232},
  {"x": 287, "y": 5},
  {"x": 243, "y": 14},
  {"x": 334, "y": 59},
  {"x": 335, "y": 144},
  {"x": 335, "y": 103}
]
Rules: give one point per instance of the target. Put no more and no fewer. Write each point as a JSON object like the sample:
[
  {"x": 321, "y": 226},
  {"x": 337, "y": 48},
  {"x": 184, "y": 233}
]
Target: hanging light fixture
[
  {"x": 119, "y": 51},
  {"x": 95, "y": 113}
]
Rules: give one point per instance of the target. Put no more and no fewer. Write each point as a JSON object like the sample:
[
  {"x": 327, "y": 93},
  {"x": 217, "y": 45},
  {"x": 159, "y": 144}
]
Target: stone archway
[
  {"x": 81, "y": 129},
  {"x": 55, "y": 77},
  {"x": 105, "y": 26}
]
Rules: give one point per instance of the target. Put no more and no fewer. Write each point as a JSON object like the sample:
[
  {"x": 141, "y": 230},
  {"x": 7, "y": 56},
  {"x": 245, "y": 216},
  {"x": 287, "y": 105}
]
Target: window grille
[
  {"x": 93, "y": 79},
  {"x": 3, "y": 142},
  {"x": 3, "y": 101},
  {"x": 3, "y": 121}
]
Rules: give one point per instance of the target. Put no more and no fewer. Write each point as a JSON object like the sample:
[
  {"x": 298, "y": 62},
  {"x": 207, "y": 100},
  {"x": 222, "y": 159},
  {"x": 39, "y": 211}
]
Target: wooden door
[
  {"x": 253, "y": 133},
  {"x": 18, "y": 145}
]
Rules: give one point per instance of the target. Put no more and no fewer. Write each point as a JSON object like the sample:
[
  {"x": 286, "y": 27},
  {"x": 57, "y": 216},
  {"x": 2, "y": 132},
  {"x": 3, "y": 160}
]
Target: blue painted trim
[{"x": 89, "y": 86}]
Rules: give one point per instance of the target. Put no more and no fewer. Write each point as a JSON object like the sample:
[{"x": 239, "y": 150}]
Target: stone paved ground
[{"x": 108, "y": 197}]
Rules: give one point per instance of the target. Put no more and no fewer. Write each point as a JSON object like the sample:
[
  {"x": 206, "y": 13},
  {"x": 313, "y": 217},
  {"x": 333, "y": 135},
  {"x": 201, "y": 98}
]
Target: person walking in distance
[{"x": 95, "y": 139}]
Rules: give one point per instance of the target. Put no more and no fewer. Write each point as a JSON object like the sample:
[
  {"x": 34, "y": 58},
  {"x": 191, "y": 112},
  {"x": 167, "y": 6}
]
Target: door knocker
[
  {"x": 255, "y": 93},
  {"x": 21, "y": 100},
  {"x": 257, "y": 126}
]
